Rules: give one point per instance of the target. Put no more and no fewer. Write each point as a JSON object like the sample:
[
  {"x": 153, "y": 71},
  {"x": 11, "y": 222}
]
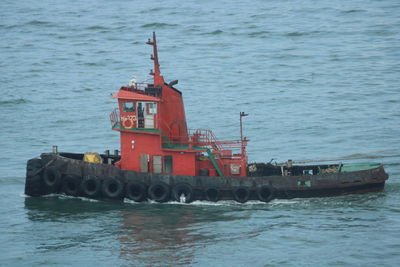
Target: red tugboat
[
  {"x": 155, "y": 138},
  {"x": 162, "y": 160}
]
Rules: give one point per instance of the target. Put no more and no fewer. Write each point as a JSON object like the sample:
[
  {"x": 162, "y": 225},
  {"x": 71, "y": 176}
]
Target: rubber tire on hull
[
  {"x": 71, "y": 185},
  {"x": 52, "y": 180},
  {"x": 159, "y": 192},
  {"x": 265, "y": 193},
  {"x": 212, "y": 194},
  {"x": 33, "y": 166},
  {"x": 91, "y": 186},
  {"x": 34, "y": 186},
  {"x": 136, "y": 191},
  {"x": 241, "y": 194},
  {"x": 34, "y": 182},
  {"x": 113, "y": 188},
  {"x": 183, "y": 189}
]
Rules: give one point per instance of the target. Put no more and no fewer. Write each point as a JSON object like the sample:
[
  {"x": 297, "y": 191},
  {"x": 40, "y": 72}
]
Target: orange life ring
[{"x": 127, "y": 123}]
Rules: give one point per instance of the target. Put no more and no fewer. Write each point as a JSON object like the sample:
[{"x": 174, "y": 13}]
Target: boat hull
[{"x": 52, "y": 173}]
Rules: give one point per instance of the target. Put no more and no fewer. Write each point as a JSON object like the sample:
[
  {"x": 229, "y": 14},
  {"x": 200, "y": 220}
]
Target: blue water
[{"x": 320, "y": 80}]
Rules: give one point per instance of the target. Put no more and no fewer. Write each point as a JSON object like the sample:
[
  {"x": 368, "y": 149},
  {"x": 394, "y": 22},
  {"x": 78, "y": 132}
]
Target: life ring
[
  {"x": 159, "y": 192},
  {"x": 185, "y": 190},
  {"x": 241, "y": 194},
  {"x": 265, "y": 193},
  {"x": 136, "y": 191},
  {"x": 113, "y": 188},
  {"x": 70, "y": 185},
  {"x": 127, "y": 123},
  {"x": 52, "y": 179},
  {"x": 91, "y": 186},
  {"x": 212, "y": 194}
]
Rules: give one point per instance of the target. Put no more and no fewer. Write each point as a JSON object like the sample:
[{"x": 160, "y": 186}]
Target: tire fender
[
  {"x": 136, "y": 191},
  {"x": 241, "y": 194},
  {"x": 52, "y": 179},
  {"x": 71, "y": 185},
  {"x": 112, "y": 188},
  {"x": 159, "y": 192},
  {"x": 265, "y": 193},
  {"x": 183, "y": 189},
  {"x": 212, "y": 194},
  {"x": 91, "y": 186}
]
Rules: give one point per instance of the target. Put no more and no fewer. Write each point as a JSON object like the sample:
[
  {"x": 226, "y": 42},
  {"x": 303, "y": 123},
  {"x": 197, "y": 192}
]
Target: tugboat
[{"x": 161, "y": 160}]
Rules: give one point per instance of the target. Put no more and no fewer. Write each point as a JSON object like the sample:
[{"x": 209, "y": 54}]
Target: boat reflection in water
[
  {"x": 159, "y": 235},
  {"x": 140, "y": 234}
]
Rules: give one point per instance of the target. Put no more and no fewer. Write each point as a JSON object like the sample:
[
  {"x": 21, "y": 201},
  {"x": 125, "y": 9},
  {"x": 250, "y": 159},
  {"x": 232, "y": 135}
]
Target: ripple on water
[
  {"x": 159, "y": 25},
  {"x": 40, "y": 23},
  {"x": 18, "y": 101}
]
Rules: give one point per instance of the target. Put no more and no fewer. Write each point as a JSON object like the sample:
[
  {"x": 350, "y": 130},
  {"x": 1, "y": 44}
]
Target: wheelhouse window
[
  {"x": 151, "y": 108},
  {"x": 128, "y": 106}
]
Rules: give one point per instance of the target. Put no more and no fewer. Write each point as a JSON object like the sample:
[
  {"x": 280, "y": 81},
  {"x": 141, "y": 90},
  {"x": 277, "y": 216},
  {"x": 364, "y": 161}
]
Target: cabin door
[
  {"x": 140, "y": 115},
  {"x": 144, "y": 162},
  {"x": 149, "y": 115}
]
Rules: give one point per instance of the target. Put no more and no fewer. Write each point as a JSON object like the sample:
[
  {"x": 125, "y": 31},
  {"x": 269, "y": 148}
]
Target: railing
[
  {"x": 114, "y": 117},
  {"x": 206, "y": 139},
  {"x": 144, "y": 88},
  {"x": 202, "y": 137},
  {"x": 136, "y": 86}
]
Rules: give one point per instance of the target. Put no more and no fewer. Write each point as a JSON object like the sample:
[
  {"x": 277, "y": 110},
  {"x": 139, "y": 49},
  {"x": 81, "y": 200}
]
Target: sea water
[{"x": 319, "y": 80}]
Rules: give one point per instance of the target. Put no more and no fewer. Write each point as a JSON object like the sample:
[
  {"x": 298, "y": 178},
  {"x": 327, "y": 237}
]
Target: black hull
[{"x": 56, "y": 174}]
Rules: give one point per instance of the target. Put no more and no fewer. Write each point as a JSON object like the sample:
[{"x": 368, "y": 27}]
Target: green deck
[
  {"x": 353, "y": 167},
  {"x": 148, "y": 130}
]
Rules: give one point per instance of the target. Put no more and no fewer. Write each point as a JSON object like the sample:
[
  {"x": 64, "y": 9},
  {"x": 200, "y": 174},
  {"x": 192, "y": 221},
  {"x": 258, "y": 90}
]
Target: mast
[
  {"x": 156, "y": 73},
  {"x": 242, "y": 140}
]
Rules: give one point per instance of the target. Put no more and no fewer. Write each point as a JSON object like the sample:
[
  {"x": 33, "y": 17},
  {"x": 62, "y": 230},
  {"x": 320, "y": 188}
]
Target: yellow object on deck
[{"x": 92, "y": 157}]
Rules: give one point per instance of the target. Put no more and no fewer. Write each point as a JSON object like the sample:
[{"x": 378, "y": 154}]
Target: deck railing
[
  {"x": 207, "y": 139},
  {"x": 204, "y": 137},
  {"x": 114, "y": 117},
  {"x": 144, "y": 88}
]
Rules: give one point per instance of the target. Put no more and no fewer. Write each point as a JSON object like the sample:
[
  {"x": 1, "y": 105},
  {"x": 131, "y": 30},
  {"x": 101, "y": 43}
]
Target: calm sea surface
[{"x": 320, "y": 79}]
